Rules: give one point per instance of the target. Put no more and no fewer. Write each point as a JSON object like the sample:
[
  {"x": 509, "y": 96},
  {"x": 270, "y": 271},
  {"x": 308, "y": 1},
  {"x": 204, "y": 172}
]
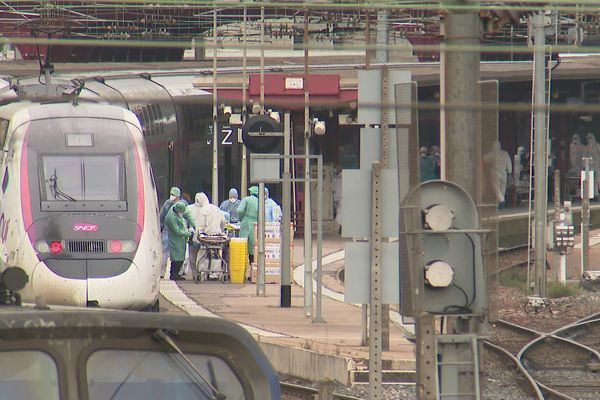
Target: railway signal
[{"x": 449, "y": 267}]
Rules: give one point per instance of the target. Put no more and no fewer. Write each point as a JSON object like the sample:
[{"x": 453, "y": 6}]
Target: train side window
[
  {"x": 137, "y": 110},
  {"x": 160, "y": 121},
  {"x": 153, "y": 118},
  {"x": 5, "y": 180},
  {"x": 145, "y": 120},
  {"x": 3, "y": 131}
]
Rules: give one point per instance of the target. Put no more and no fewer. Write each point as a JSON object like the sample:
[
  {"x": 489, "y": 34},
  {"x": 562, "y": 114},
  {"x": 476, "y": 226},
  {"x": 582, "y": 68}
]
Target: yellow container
[{"x": 238, "y": 257}]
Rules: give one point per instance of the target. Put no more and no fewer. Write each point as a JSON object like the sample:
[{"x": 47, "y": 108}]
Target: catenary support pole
[
  {"x": 585, "y": 218},
  {"x": 262, "y": 60},
  {"x": 260, "y": 270},
  {"x": 318, "y": 317},
  {"x": 308, "y": 275},
  {"x": 367, "y": 39},
  {"x": 286, "y": 289},
  {"x": 384, "y": 154},
  {"x": 364, "y": 312},
  {"x": 459, "y": 86},
  {"x": 381, "y": 54},
  {"x": 540, "y": 154},
  {"x": 244, "y": 170},
  {"x": 215, "y": 138},
  {"x": 460, "y": 123},
  {"x": 375, "y": 334}
]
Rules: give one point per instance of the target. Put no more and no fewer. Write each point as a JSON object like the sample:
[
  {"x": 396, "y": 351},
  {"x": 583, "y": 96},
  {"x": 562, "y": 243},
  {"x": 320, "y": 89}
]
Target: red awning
[{"x": 287, "y": 91}]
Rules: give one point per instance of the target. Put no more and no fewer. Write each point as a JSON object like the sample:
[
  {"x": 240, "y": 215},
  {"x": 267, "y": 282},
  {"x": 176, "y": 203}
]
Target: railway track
[
  {"x": 292, "y": 391},
  {"x": 562, "y": 364},
  {"x": 525, "y": 382}
]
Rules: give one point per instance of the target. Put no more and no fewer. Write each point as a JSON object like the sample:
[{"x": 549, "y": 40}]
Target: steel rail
[
  {"x": 530, "y": 379},
  {"x": 310, "y": 390},
  {"x": 594, "y": 318}
]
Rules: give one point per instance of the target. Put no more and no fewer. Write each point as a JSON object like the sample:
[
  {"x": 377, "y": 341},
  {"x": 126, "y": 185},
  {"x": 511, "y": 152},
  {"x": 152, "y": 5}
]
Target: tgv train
[
  {"x": 78, "y": 206},
  {"x": 176, "y": 120}
]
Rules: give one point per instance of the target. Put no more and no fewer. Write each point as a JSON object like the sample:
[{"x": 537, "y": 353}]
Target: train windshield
[
  {"x": 83, "y": 177},
  {"x": 28, "y": 375},
  {"x": 147, "y": 375}
]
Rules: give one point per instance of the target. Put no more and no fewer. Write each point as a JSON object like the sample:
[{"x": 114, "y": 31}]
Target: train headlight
[
  {"x": 42, "y": 247},
  {"x": 56, "y": 247},
  {"x": 121, "y": 246}
]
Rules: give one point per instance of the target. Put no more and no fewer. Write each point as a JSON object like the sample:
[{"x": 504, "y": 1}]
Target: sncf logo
[{"x": 85, "y": 227}]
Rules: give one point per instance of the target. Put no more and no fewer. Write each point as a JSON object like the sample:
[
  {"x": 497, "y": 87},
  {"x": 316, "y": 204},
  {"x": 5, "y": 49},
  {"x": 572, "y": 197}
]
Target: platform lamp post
[
  {"x": 244, "y": 170},
  {"x": 215, "y": 138},
  {"x": 308, "y": 287},
  {"x": 286, "y": 288}
]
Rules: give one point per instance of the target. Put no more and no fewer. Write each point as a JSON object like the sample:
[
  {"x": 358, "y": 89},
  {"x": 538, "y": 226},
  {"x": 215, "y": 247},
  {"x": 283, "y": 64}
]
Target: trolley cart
[{"x": 214, "y": 247}]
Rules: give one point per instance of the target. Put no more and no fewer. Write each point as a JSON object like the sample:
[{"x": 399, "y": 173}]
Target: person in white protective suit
[
  {"x": 273, "y": 211},
  {"x": 520, "y": 165},
  {"x": 209, "y": 220},
  {"x": 576, "y": 153},
  {"x": 592, "y": 150},
  {"x": 501, "y": 168}
]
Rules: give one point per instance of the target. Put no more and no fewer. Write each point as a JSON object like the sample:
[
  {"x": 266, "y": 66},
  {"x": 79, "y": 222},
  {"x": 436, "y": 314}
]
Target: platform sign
[
  {"x": 228, "y": 134},
  {"x": 267, "y": 170},
  {"x": 591, "y": 184}
]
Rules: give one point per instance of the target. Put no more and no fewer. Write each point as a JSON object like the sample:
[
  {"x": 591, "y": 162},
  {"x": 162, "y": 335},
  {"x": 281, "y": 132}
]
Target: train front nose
[
  {"x": 109, "y": 283},
  {"x": 59, "y": 289},
  {"x": 75, "y": 251}
]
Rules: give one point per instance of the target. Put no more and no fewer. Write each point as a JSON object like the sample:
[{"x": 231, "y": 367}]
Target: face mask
[
  {"x": 172, "y": 198},
  {"x": 232, "y": 199}
]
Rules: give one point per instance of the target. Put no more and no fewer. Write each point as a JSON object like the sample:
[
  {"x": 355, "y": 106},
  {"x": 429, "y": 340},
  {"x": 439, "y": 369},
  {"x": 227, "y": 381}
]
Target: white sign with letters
[
  {"x": 591, "y": 184},
  {"x": 294, "y": 83}
]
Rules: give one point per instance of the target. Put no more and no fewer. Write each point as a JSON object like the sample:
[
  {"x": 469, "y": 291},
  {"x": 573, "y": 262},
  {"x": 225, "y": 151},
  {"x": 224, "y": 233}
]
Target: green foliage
[
  {"x": 514, "y": 277},
  {"x": 555, "y": 289}
]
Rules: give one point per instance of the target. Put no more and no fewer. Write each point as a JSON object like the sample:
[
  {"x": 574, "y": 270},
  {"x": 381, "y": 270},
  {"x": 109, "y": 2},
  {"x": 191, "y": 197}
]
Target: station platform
[{"x": 297, "y": 346}]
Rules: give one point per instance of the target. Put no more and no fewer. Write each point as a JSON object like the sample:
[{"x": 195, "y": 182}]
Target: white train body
[{"x": 78, "y": 205}]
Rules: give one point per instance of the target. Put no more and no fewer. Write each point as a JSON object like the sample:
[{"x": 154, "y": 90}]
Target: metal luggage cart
[{"x": 214, "y": 247}]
